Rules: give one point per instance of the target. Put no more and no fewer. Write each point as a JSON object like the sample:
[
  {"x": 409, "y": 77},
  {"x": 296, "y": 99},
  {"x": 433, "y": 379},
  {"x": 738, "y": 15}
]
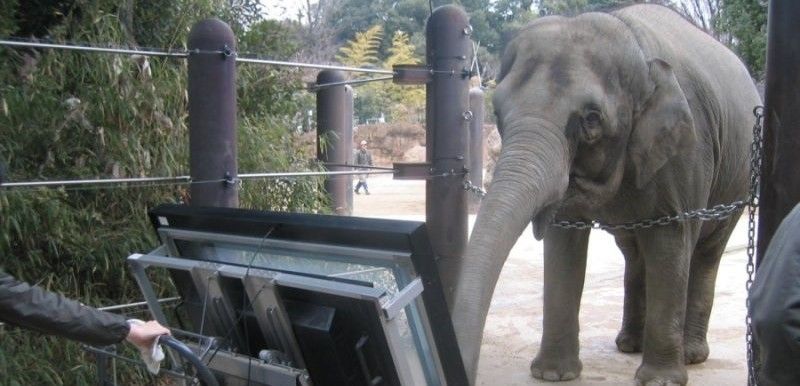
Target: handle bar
[{"x": 203, "y": 372}]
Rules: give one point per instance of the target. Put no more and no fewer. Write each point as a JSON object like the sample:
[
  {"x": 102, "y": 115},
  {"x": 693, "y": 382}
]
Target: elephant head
[{"x": 581, "y": 112}]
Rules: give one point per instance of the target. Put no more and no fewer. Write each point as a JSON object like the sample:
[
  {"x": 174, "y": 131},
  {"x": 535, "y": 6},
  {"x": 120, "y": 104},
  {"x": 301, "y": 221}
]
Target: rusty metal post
[
  {"x": 212, "y": 114},
  {"x": 476, "y": 144},
  {"x": 335, "y": 137},
  {"x": 448, "y": 57},
  {"x": 780, "y": 177}
]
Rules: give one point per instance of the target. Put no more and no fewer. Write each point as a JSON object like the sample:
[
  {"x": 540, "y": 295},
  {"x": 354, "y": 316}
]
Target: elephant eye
[
  {"x": 592, "y": 118},
  {"x": 592, "y": 127}
]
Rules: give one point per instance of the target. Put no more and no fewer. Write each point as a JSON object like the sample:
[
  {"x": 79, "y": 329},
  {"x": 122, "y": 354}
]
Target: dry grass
[{"x": 390, "y": 142}]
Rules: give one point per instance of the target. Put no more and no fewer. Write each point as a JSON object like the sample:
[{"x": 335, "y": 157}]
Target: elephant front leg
[
  {"x": 629, "y": 338},
  {"x": 666, "y": 257},
  {"x": 564, "y": 271}
]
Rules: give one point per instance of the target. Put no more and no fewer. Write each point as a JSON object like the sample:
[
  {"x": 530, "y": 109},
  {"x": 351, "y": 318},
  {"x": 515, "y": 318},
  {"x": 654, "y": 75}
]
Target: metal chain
[
  {"x": 474, "y": 189},
  {"x": 717, "y": 212},
  {"x": 755, "y": 170}
]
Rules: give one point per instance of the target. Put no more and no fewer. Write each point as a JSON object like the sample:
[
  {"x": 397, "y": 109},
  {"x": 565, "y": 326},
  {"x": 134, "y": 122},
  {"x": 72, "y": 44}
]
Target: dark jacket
[
  {"x": 36, "y": 309},
  {"x": 363, "y": 157},
  {"x": 775, "y": 306}
]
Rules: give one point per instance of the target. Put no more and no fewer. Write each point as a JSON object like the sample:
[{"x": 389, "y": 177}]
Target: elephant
[{"x": 614, "y": 117}]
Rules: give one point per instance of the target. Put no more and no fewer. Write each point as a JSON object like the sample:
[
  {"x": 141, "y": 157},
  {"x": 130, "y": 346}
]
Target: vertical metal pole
[
  {"x": 779, "y": 188},
  {"x": 780, "y": 176},
  {"x": 103, "y": 363},
  {"x": 448, "y": 56},
  {"x": 212, "y": 114},
  {"x": 349, "y": 145},
  {"x": 335, "y": 136},
  {"x": 476, "y": 144}
]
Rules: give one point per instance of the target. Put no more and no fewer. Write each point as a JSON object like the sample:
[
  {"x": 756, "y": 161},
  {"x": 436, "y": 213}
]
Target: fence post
[
  {"x": 212, "y": 114},
  {"x": 780, "y": 177},
  {"x": 448, "y": 56},
  {"x": 349, "y": 119},
  {"x": 476, "y": 144},
  {"x": 335, "y": 137}
]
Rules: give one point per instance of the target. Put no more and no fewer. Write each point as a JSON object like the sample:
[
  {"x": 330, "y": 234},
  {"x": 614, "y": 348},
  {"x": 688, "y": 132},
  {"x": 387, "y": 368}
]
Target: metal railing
[
  {"x": 186, "y": 53},
  {"x": 180, "y": 180}
]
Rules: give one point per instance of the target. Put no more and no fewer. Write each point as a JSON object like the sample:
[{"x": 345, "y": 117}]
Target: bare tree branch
[{"x": 703, "y": 13}]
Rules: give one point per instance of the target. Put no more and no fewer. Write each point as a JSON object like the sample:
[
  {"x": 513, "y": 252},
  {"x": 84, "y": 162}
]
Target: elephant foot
[
  {"x": 648, "y": 375},
  {"x": 628, "y": 341},
  {"x": 695, "y": 351},
  {"x": 550, "y": 368}
]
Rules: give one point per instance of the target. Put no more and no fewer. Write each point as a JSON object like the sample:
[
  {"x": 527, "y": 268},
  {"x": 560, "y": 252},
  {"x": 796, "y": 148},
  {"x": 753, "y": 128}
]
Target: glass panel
[
  {"x": 389, "y": 275},
  {"x": 410, "y": 349},
  {"x": 329, "y": 265}
]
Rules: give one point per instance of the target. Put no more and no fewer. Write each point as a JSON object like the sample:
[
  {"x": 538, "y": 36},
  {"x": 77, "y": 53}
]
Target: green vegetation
[
  {"x": 746, "y": 22},
  {"x": 401, "y": 103},
  {"x": 71, "y": 115},
  {"x": 406, "y": 103}
]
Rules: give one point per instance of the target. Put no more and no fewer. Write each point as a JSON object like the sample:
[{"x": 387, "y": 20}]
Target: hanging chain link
[
  {"x": 755, "y": 170},
  {"x": 474, "y": 189},
  {"x": 717, "y": 212}
]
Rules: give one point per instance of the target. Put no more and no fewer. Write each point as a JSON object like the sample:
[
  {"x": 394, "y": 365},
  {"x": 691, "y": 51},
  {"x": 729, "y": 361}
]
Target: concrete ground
[{"x": 512, "y": 335}]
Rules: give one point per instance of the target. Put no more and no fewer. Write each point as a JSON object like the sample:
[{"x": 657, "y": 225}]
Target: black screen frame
[{"x": 356, "y": 232}]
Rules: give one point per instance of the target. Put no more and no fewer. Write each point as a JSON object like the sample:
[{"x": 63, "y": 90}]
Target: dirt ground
[{"x": 513, "y": 329}]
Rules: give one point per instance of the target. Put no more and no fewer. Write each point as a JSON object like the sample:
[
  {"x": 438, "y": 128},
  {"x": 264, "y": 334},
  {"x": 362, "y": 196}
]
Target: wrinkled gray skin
[{"x": 614, "y": 117}]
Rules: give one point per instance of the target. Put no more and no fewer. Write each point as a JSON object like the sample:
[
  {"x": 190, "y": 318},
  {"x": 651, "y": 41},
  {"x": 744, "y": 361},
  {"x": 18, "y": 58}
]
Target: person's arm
[
  {"x": 775, "y": 305},
  {"x": 47, "y": 312}
]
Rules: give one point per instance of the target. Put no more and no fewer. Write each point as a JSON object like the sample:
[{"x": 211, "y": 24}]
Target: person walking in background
[{"x": 362, "y": 158}]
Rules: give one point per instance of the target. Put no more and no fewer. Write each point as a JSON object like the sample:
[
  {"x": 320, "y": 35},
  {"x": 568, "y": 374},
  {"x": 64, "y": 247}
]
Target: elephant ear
[{"x": 664, "y": 126}]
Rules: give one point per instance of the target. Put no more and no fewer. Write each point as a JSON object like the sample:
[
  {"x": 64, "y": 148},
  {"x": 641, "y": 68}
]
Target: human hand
[{"x": 142, "y": 335}]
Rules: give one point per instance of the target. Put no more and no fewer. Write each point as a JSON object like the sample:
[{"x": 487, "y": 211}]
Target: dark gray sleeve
[
  {"x": 775, "y": 305},
  {"x": 50, "y": 313}
]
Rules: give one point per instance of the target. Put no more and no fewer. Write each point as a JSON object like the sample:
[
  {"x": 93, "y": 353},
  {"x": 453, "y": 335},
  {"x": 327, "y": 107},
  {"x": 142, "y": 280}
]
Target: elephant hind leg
[
  {"x": 700, "y": 297},
  {"x": 629, "y": 338}
]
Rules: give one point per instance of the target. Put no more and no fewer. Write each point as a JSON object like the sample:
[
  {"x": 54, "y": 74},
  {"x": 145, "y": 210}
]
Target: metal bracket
[
  {"x": 227, "y": 52},
  {"x": 400, "y": 300},
  {"x": 230, "y": 181},
  {"x": 412, "y": 170},
  {"x": 411, "y": 74}
]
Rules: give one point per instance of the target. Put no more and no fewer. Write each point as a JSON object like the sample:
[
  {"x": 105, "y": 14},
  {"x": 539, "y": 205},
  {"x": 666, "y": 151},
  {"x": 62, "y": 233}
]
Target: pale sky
[{"x": 283, "y": 9}]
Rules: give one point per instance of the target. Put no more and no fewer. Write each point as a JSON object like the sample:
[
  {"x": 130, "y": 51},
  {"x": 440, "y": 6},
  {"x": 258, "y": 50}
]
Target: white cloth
[{"x": 151, "y": 356}]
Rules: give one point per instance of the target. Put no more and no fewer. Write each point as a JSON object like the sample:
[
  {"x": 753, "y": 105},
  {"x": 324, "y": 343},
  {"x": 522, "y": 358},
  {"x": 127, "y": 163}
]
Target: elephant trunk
[{"x": 529, "y": 180}]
